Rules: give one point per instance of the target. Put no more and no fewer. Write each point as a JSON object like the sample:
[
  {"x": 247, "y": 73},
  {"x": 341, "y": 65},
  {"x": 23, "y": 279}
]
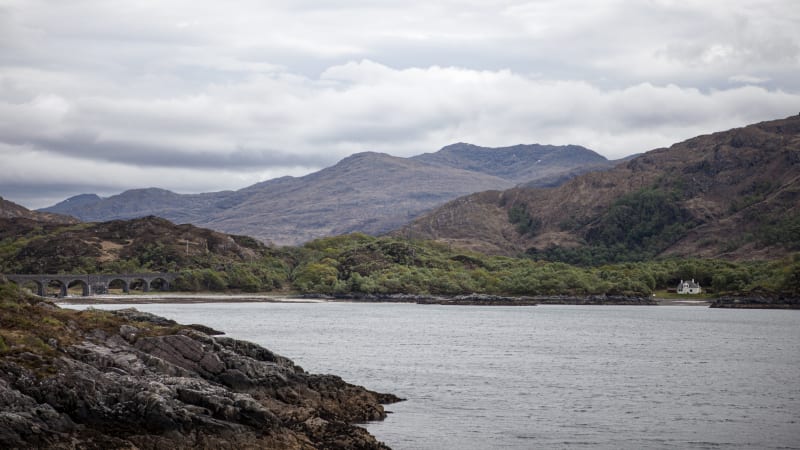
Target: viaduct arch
[{"x": 93, "y": 283}]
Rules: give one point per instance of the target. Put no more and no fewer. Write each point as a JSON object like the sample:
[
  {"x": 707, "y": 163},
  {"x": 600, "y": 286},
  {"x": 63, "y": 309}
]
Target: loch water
[{"x": 599, "y": 377}]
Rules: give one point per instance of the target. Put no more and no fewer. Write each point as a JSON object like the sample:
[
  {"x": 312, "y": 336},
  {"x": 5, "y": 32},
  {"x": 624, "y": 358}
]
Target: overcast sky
[{"x": 195, "y": 96}]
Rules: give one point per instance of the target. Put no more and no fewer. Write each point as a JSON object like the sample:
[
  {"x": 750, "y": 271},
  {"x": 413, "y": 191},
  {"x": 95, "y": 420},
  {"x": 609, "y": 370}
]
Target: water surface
[{"x": 545, "y": 376}]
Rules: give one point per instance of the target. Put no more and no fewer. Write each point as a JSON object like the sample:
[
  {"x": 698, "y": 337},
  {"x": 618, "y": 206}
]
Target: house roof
[{"x": 689, "y": 284}]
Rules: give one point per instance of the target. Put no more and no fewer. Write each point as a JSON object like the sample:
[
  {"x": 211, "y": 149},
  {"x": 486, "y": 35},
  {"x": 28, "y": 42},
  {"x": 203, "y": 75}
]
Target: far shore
[
  {"x": 182, "y": 298},
  {"x": 682, "y": 302},
  {"x": 207, "y": 297}
]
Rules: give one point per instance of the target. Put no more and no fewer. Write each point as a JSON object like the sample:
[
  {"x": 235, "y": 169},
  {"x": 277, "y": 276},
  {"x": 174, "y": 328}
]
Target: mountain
[
  {"x": 9, "y": 209},
  {"x": 181, "y": 208},
  {"x": 519, "y": 163},
  {"x": 76, "y": 202},
  {"x": 367, "y": 192},
  {"x": 732, "y": 194}
]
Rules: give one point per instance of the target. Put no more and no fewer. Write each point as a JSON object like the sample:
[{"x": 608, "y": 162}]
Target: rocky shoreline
[
  {"x": 491, "y": 300},
  {"x": 756, "y": 302},
  {"x": 127, "y": 379}
]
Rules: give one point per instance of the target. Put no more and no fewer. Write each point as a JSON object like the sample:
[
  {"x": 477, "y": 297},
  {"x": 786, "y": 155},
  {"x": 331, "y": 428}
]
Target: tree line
[{"x": 362, "y": 264}]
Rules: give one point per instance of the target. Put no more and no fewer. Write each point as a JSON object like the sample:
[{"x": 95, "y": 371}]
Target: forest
[{"x": 363, "y": 264}]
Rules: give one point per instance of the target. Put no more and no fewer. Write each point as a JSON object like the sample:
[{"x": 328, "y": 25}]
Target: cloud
[
  {"x": 197, "y": 96},
  {"x": 279, "y": 120},
  {"x": 748, "y": 79},
  {"x": 37, "y": 179}
]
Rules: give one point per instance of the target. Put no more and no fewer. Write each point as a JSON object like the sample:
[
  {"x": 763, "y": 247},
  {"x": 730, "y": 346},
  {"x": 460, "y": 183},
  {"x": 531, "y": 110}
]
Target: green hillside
[{"x": 354, "y": 264}]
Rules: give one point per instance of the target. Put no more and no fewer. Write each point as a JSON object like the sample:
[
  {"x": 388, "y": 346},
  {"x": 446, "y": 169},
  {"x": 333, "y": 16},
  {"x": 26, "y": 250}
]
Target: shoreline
[
  {"x": 681, "y": 302},
  {"x": 132, "y": 379},
  {"x": 463, "y": 300},
  {"x": 110, "y": 299},
  {"x": 458, "y": 300}
]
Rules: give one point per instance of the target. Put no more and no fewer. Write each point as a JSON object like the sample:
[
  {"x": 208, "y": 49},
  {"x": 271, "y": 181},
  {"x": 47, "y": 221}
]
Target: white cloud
[
  {"x": 38, "y": 178},
  {"x": 748, "y": 79}
]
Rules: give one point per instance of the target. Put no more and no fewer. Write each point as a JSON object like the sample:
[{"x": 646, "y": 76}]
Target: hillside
[
  {"x": 9, "y": 209},
  {"x": 148, "y": 243},
  {"x": 366, "y": 192},
  {"x": 360, "y": 266},
  {"x": 732, "y": 194}
]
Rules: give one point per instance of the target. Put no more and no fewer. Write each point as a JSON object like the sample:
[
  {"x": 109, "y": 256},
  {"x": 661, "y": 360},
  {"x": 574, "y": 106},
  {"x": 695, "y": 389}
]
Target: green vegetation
[
  {"x": 266, "y": 274},
  {"x": 757, "y": 192},
  {"x": 784, "y": 231},
  {"x": 636, "y": 227},
  {"x": 28, "y": 325},
  {"x": 647, "y": 221},
  {"x": 361, "y": 264},
  {"x": 526, "y": 224},
  {"x": 369, "y": 265}
]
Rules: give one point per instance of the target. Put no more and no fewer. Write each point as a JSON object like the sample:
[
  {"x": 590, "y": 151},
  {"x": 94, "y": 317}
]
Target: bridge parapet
[{"x": 92, "y": 283}]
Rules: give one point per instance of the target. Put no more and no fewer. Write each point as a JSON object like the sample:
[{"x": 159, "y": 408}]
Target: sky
[{"x": 100, "y": 96}]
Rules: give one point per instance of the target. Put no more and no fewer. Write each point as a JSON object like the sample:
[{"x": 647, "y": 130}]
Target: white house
[{"x": 689, "y": 287}]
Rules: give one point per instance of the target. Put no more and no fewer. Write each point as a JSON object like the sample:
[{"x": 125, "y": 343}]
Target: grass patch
[{"x": 28, "y": 326}]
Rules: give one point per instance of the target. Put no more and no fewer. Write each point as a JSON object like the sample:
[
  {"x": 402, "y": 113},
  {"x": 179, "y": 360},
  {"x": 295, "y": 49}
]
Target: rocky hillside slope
[
  {"x": 9, "y": 209},
  {"x": 152, "y": 243},
  {"x": 732, "y": 194},
  {"x": 94, "y": 379},
  {"x": 367, "y": 192}
]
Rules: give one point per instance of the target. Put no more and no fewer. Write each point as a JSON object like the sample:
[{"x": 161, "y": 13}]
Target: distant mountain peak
[
  {"x": 730, "y": 194},
  {"x": 81, "y": 198},
  {"x": 150, "y": 190},
  {"x": 369, "y": 192},
  {"x": 76, "y": 201},
  {"x": 458, "y": 146},
  {"x": 367, "y": 156},
  {"x": 520, "y": 163}
]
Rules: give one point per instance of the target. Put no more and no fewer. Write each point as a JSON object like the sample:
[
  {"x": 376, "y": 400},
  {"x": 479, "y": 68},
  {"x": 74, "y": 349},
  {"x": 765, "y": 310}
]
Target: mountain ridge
[
  {"x": 726, "y": 194},
  {"x": 509, "y": 162},
  {"x": 369, "y": 192}
]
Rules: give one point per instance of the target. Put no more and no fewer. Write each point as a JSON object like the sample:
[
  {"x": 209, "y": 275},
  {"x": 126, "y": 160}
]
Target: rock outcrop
[{"x": 93, "y": 379}]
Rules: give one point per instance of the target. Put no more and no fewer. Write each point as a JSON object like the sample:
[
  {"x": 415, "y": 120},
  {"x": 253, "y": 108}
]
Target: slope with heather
[
  {"x": 9, "y": 209},
  {"x": 732, "y": 194}
]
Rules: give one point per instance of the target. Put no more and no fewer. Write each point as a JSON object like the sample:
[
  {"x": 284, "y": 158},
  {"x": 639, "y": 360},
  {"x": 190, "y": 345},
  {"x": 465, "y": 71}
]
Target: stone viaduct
[{"x": 93, "y": 284}]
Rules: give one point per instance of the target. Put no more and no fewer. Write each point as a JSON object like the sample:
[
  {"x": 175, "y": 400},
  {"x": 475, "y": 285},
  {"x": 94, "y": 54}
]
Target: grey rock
[{"x": 185, "y": 390}]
